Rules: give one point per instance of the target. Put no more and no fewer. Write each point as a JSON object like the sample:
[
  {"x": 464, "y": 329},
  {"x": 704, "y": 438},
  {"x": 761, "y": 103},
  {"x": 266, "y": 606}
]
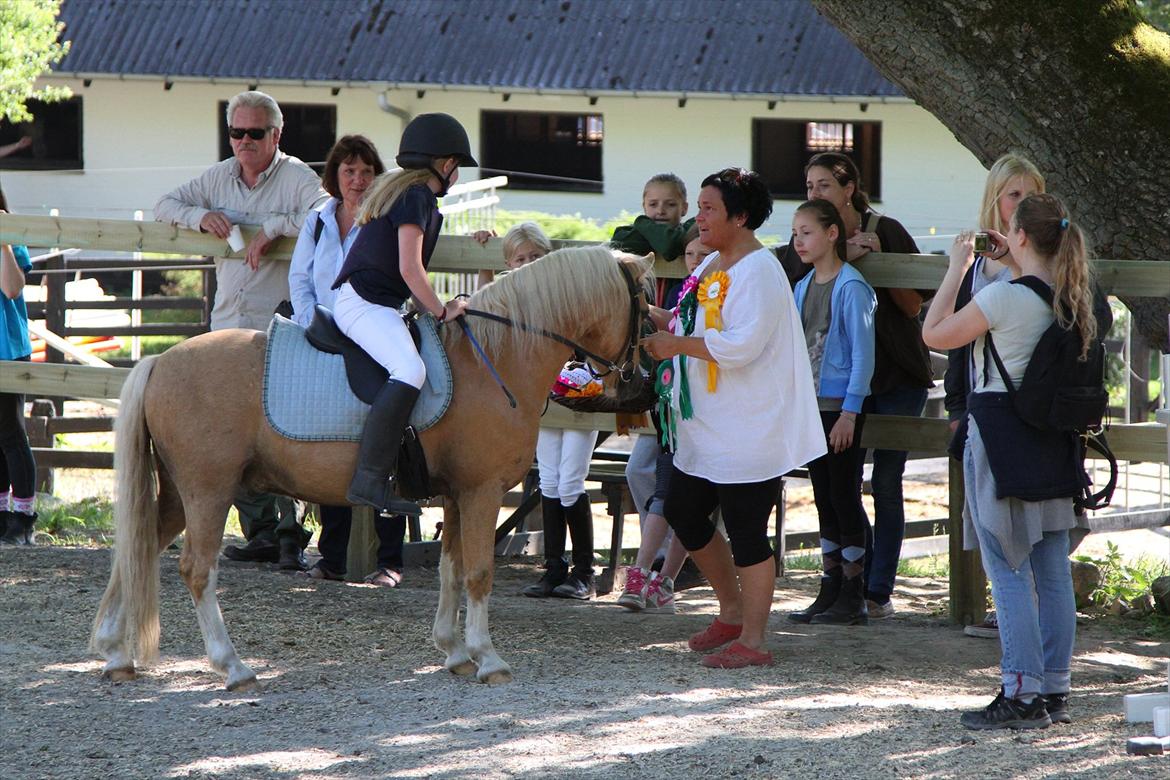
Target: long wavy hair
[
  {"x": 1046, "y": 223},
  {"x": 388, "y": 188}
]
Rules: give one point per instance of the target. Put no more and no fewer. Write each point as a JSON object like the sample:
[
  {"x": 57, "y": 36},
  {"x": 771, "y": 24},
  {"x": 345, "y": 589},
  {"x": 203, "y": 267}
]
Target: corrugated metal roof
[{"x": 756, "y": 47}]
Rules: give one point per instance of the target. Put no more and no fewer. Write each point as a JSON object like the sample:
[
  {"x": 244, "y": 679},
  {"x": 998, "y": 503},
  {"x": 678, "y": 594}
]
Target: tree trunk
[{"x": 1081, "y": 87}]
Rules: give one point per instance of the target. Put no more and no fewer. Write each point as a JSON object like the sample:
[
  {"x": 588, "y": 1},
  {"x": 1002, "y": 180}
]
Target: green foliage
[
  {"x": 1156, "y": 12},
  {"x": 1124, "y": 581},
  {"x": 29, "y": 30},
  {"x": 89, "y": 521},
  {"x": 930, "y": 566},
  {"x": 572, "y": 227}
]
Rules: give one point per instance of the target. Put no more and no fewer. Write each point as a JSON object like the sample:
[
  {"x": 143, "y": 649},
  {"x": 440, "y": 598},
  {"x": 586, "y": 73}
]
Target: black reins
[{"x": 625, "y": 370}]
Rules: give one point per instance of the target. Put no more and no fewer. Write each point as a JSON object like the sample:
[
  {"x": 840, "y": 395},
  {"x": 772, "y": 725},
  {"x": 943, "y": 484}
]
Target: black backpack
[{"x": 1061, "y": 392}]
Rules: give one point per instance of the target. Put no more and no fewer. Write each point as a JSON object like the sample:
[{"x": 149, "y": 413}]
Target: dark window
[
  {"x": 310, "y": 130},
  {"x": 538, "y": 151},
  {"x": 782, "y": 147},
  {"x": 55, "y": 135}
]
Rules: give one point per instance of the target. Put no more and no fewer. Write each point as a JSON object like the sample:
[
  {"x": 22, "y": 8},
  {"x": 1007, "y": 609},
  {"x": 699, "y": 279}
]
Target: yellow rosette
[{"x": 711, "y": 294}]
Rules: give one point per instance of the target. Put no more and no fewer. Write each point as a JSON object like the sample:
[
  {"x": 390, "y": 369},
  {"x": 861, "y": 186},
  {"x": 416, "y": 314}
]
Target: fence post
[
  {"x": 209, "y": 285},
  {"x": 968, "y": 586},
  {"x": 55, "y": 304},
  {"x": 362, "y": 554},
  {"x": 39, "y": 435}
]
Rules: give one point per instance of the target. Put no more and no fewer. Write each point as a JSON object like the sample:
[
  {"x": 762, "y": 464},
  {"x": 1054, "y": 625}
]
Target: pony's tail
[{"x": 132, "y": 593}]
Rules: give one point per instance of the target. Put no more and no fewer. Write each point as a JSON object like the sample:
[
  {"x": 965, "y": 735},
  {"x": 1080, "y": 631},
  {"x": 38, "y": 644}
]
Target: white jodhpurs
[
  {"x": 380, "y": 331},
  {"x": 562, "y": 458}
]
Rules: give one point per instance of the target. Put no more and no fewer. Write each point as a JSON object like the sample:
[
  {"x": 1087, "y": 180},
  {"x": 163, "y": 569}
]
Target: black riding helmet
[{"x": 431, "y": 136}]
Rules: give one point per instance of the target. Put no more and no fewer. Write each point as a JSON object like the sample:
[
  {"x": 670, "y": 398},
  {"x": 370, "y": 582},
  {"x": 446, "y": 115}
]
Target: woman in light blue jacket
[
  {"x": 328, "y": 233},
  {"x": 836, "y": 307}
]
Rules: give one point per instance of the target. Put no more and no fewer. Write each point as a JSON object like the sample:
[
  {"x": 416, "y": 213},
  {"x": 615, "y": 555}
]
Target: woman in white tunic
[{"x": 744, "y": 411}]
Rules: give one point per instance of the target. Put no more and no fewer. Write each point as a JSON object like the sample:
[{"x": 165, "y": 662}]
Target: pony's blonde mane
[{"x": 554, "y": 293}]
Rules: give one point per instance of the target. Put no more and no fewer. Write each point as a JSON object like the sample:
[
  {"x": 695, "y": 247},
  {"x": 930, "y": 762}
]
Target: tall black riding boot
[
  {"x": 579, "y": 584},
  {"x": 849, "y": 609},
  {"x": 373, "y": 483},
  {"x": 553, "y": 518}
]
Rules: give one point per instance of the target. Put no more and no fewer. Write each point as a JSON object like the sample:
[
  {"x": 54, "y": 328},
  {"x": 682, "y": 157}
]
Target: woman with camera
[{"x": 1020, "y": 480}]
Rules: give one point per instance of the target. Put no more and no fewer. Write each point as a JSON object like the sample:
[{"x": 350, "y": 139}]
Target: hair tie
[{"x": 1064, "y": 223}]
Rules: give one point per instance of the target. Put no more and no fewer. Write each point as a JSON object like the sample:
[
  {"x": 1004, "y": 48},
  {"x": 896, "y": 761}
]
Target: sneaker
[
  {"x": 988, "y": 629},
  {"x": 879, "y": 611},
  {"x": 1057, "y": 706},
  {"x": 634, "y": 594},
  {"x": 576, "y": 586},
  {"x": 1005, "y": 713},
  {"x": 659, "y": 597}
]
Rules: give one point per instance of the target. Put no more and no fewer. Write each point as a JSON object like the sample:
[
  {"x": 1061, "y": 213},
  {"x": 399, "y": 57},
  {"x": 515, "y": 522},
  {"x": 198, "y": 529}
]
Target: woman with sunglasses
[{"x": 743, "y": 407}]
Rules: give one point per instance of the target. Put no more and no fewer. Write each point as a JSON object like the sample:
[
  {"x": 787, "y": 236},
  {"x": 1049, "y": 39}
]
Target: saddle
[
  {"x": 318, "y": 385},
  {"x": 365, "y": 375}
]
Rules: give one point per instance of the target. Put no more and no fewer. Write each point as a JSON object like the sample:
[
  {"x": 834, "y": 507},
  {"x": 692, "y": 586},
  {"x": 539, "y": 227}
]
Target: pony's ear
[{"x": 639, "y": 266}]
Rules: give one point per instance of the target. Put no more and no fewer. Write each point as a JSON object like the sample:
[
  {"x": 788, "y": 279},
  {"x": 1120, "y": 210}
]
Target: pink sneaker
[
  {"x": 659, "y": 595},
  {"x": 633, "y": 595}
]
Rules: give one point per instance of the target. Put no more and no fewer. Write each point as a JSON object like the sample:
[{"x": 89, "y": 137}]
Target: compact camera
[{"x": 983, "y": 242}]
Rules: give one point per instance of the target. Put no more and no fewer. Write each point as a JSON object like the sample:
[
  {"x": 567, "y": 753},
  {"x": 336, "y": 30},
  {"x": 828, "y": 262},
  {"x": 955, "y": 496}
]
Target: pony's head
[{"x": 579, "y": 292}]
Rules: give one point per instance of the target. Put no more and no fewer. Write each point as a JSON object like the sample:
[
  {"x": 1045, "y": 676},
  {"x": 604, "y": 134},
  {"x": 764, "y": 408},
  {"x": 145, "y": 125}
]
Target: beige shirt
[{"x": 283, "y": 195}]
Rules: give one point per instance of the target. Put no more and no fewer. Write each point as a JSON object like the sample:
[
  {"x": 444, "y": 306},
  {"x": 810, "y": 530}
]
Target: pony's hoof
[
  {"x": 249, "y": 683},
  {"x": 463, "y": 668},
  {"x": 121, "y": 674},
  {"x": 498, "y": 677}
]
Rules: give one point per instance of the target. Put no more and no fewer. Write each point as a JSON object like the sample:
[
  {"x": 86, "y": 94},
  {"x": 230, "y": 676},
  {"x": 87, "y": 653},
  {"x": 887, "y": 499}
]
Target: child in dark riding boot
[
  {"x": 558, "y": 580},
  {"x": 387, "y": 264}
]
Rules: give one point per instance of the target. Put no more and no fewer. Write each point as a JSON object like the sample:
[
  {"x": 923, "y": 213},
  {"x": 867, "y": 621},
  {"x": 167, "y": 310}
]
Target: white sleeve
[
  {"x": 302, "y": 291},
  {"x": 751, "y": 315},
  {"x": 187, "y": 204},
  {"x": 993, "y": 300}
]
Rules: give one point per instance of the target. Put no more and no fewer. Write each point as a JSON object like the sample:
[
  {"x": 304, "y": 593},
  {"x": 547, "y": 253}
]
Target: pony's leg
[
  {"x": 446, "y": 631},
  {"x": 479, "y": 511},
  {"x": 198, "y": 566}
]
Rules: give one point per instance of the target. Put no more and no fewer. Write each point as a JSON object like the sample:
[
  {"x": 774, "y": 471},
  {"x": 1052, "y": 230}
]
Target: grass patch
[
  {"x": 85, "y": 522},
  {"x": 930, "y": 566}
]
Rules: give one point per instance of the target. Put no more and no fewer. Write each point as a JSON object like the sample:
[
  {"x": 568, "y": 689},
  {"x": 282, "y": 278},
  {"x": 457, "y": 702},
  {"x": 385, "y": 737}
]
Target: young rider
[{"x": 387, "y": 264}]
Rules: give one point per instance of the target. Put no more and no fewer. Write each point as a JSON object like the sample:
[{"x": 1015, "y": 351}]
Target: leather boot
[
  {"x": 830, "y": 590},
  {"x": 19, "y": 528},
  {"x": 373, "y": 482},
  {"x": 553, "y": 518},
  {"x": 849, "y": 609},
  {"x": 554, "y": 575},
  {"x": 292, "y": 556},
  {"x": 579, "y": 584}
]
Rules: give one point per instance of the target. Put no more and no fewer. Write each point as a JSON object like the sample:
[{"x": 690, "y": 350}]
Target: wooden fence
[{"x": 1139, "y": 442}]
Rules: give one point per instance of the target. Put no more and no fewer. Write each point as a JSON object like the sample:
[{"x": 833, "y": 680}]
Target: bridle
[{"x": 625, "y": 369}]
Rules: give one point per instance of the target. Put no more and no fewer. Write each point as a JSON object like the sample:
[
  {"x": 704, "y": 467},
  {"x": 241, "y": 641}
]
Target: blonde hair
[
  {"x": 387, "y": 189},
  {"x": 1002, "y": 171},
  {"x": 669, "y": 179},
  {"x": 1046, "y": 222},
  {"x": 550, "y": 295},
  {"x": 525, "y": 233}
]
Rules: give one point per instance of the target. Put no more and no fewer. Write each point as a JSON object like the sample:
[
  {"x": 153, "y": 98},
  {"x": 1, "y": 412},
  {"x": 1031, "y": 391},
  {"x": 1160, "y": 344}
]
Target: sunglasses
[{"x": 255, "y": 133}]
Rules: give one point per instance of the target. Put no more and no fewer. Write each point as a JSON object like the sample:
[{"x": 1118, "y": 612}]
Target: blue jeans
[
  {"x": 884, "y": 544},
  {"x": 1037, "y": 614}
]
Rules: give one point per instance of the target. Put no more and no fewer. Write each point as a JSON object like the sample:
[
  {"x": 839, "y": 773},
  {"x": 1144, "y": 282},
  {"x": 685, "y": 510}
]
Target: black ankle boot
[
  {"x": 830, "y": 590},
  {"x": 554, "y": 575},
  {"x": 18, "y": 528},
  {"x": 292, "y": 556},
  {"x": 578, "y": 585},
  {"x": 849, "y": 609},
  {"x": 373, "y": 482}
]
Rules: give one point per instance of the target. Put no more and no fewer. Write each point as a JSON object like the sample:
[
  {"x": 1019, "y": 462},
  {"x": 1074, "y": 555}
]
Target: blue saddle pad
[{"x": 307, "y": 397}]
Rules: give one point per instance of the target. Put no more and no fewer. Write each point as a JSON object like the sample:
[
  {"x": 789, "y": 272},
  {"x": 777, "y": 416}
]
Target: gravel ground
[{"x": 352, "y": 688}]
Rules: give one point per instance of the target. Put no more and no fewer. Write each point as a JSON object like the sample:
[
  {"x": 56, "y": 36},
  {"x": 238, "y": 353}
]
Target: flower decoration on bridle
[{"x": 712, "y": 294}]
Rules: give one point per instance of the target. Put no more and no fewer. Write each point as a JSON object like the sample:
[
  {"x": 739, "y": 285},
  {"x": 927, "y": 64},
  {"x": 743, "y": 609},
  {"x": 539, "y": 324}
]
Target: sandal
[
  {"x": 319, "y": 572},
  {"x": 737, "y": 656},
  {"x": 386, "y": 578},
  {"x": 715, "y": 635}
]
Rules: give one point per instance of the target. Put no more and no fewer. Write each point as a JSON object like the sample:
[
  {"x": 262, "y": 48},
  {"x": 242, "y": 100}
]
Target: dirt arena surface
[{"x": 352, "y": 688}]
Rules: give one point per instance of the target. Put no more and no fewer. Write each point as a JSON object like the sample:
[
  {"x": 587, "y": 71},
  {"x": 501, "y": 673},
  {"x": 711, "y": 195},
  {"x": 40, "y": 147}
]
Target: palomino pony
[{"x": 191, "y": 430}]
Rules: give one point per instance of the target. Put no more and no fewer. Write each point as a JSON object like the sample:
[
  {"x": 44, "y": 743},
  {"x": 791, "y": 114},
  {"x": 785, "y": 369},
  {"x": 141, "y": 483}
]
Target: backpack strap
[
  {"x": 989, "y": 344},
  {"x": 318, "y": 228},
  {"x": 1101, "y": 499}
]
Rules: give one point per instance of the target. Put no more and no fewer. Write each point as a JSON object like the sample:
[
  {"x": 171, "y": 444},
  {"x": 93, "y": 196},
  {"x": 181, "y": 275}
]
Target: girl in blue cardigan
[{"x": 836, "y": 306}]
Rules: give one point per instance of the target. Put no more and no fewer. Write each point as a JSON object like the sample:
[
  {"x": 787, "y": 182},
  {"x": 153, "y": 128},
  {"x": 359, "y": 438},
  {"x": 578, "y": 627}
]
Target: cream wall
[{"x": 141, "y": 141}]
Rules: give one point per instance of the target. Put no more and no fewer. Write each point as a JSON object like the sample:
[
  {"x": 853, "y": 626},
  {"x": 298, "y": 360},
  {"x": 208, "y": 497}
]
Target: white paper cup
[{"x": 235, "y": 239}]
